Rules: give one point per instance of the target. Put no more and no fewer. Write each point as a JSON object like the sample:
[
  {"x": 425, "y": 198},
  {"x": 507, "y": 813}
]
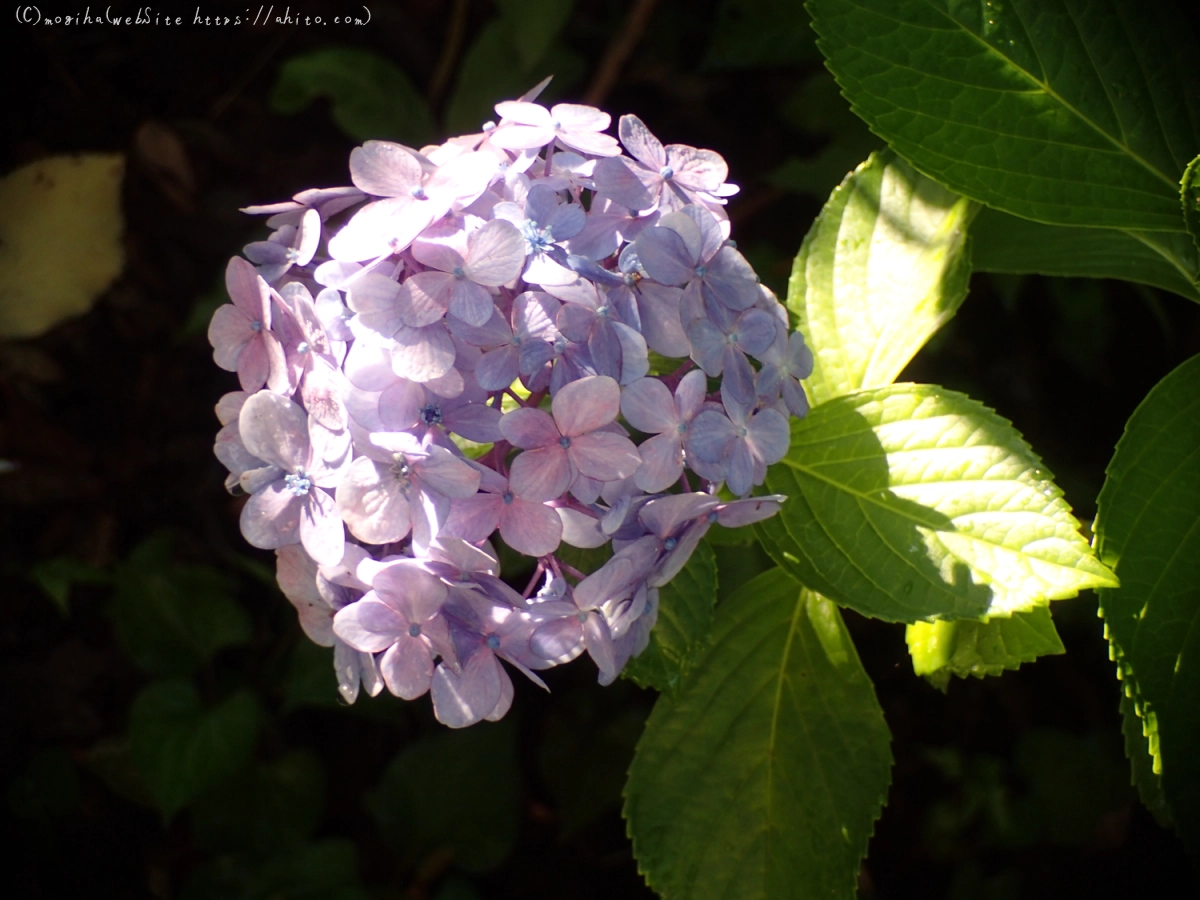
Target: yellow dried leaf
[{"x": 60, "y": 239}]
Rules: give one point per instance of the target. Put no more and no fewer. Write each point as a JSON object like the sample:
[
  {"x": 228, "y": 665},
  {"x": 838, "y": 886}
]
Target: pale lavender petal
[
  {"x": 400, "y": 404},
  {"x": 542, "y": 474},
  {"x": 690, "y": 394},
  {"x": 586, "y": 404},
  {"x": 600, "y": 646},
  {"x": 475, "y": 421},
  {"x": 658, "y": 310},
  {"x": 534, "y": 314},
  {"x": 590, "y": 142},
  {"x": 755, "y": 331},
  {"x": 700, "y": 170},
  {"x": 635, "y": 359},
  {"x": 647, "y": 405},
  {"x": 664, "y": 256},
  {"x": 740, "y": 473},
  {"x": 504, "y": 704},
  {"x": 604, "y": 346},
  {"x": 662, "y": 462},
  {"x": 604, "y": 456},
  {"x": 370, "y": 502},
  {"x": 498, "y": 368},
  {"x": 575, "y": 321},
  {"x": 530, "y": 527},
  {"x": 407, "y": 668},
  {"x": 321, "y": 530},
  {"x": 738, "y": 381},
  {"x": 769, "y": 435},
  {"x": 529, "y": 428},
  {"x": 708, "y": 346},
  {"x": 322, "y": 390},
  {"x": 447, "y": 474},
  {"x": 795, "y": 398},
  {"x": 424, "y": 297},
  {"x": 473, "y": 518},
  {"x": 618, "y": 179},
  {"x": 470, "y": 302},
  {"x": 710, "y": 435},
  {"x": 296, "y": 575},
  {"x": 373, "y": 231},
  {"x": 559, "y": 640},
  {"x": 423, "y": 354},
  {"x": 369, "y": 625},
  {"x": 730, "y": 280},
  {"x": 368, "y": 366},
  {"x": 581, "y": 530},
  {"x": 640, "y": 143},
  {"x": 271, "y": 517},
  {"x": 384, "y": 169},
  {"x": 496, "y": 255},
  {"x": 665, "y": 515},
  {"x": 677, "y": 558},
  {"x": 228, "y": 332},
  {"x": 737, "y": 513},
  {"x": 373, "y": 298},
  {"x": 275, "y": 430},
  {"x": 463, "y": 699}
]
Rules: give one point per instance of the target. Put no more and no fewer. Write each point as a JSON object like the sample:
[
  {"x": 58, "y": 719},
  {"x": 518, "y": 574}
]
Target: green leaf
[
  {"x": 371, "y": 97},
  {"x": 172, "y": 619},
  {"x": 764, "y": 777},
  {"x": 183, "y": 749},
  {"x": 912, "y": 502},
  {"x": 1137, "y": 749},
  {"x": 685, "y": 613},
  {"x": 882, "y": 268},
  {"x": 1004, "y": 243},
  {"x": 534, "y": 24},
  {"x": 512, "y": 54},
  {"x": 1062, "y": 111},
  {"x": 56, "y": 576},
  {"x": 274, "y": 806},
  {"x": 316, "y": 870},
  {"x": 1189, "y": 197},
  {"x": 980, "y": 648},
  {"x": 1146, "y": 529},
  {"x": 454, "y": 791},
  {"x": 750, "y": 34}
]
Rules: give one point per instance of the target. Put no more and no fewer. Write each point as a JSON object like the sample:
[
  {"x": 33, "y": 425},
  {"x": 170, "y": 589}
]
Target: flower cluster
[{"x": 487, "y": 347}]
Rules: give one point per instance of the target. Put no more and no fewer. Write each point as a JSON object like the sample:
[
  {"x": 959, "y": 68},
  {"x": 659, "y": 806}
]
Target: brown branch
[{"x": 618, "y": 51}]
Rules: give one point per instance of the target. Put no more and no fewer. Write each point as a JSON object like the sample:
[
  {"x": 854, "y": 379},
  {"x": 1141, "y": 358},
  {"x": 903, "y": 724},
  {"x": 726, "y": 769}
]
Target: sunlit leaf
[
  {"x": 973, "y": 647},
  {"x": 883, "y": 267},
  {"x": 912, "y": 502},
  {"x": 764, "y": 777},
  {"x": 1189, "y": 197}
]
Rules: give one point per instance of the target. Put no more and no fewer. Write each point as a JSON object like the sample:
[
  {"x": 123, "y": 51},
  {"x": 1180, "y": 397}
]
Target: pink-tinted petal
[
  {"x": 665, "y": 515},
  {"x": 664, "y": 255},
  {"x": 369, "y": 625},
  {"x": 581, "y": 530},
  {"x": 737, "y": 513},
  {"x": 529, "y": 428},
  {"x": 470, "y": 302},
  {"x": 447, "y": 474},
  {"x": 371, "y": 504},
  {"x": 400, "y": 404},
  {"x": 740, "y": 474},
  {"x": 600, "y": 646},
  {"x": 228, "y": 333},
  {"x": 626, "y": 183},
  {"x": 559, "y": 640},
  {"x": 368, "y": 366},
  {"x": 473, "y": 518},
  {"x": 253, "y": 363},
  {"x": 700, "y": 170},
  {"x": 504, "y": 704},
  {"x": 604, "y": 456},
  {"x": 662, "y": 462},
  {"x": 321, "y": 530},
  {"x": 541, "y": 474},
  {"x": 464, "y": 699},
  {"x": 423, "y": 354},
  {"x": 640, "y": 143},
  {"x": 586, "y": 404},
  {"x": 407, "y": 668},
  {"x": 275, "y": 430},
  {"x": 373, "y": 231},
  {"x": 271, "y": 517},
  {"x": 424, "y": 297},
  {"x": 296, "y": 575},
  {"x": 648, "y": 406},
  {"x": 530, "y": 528},
  {"x": 384, "y": 169},
  {"x": 769, "y": 435}
]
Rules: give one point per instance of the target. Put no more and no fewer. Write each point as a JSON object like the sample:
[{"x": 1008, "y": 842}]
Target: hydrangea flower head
[{"x": 467, "y": 345}]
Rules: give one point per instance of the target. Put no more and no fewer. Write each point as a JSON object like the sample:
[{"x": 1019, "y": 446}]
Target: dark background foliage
[{"x": 139, "y": 630}]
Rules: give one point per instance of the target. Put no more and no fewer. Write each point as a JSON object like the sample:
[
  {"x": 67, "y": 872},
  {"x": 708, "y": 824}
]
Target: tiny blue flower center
[
  {"x": 302, "y": 347},
  {"x": 419, "y": 193},
  {"x": 701, "y": 271},
  {"x": 581, "y": 616},
  {"x": 458, "y": 272},
  {"x": 681, "y": 428},
  {"x": 564, "y": 442},
  {"x": 292, "y": 254},
  {"x": 712, "y": 516},
  {"x": 431, "y": 414},
  {"x": 603, "y": 312},
  {"x": 299, "y": 483},
  {"x": 515, "y": 340},
  {"x": 742, "y": 431},
  {"x": 493, "y": 642},
  {"x": 414, "y": 630},
  {"x": 670, "y": 544},
  {"x": 666, "y": 172},
  {"x": 507, "y": 497},
  {"x": 488, "y": 126},
  {"x": 256, "y": 325},
  {"x": 539, "y": 239}
]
